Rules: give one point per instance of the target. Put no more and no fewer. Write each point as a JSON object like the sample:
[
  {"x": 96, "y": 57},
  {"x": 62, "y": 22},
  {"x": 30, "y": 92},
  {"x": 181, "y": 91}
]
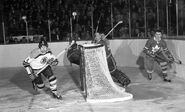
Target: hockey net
[{"x": 99, "y": 86}]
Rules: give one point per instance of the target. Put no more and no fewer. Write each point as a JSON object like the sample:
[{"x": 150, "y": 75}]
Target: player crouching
[
  {"x": 39, "y": 63},
  {"x": 156, "y": 50}
]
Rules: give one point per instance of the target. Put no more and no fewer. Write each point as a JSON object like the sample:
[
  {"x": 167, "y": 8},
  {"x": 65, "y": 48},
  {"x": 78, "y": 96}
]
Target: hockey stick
[
  {"x": 177, "y": 61},
  {"x": 112, "y": 29},
  {"x": 98, "y": 23},
  {"x": 174, "y": 61},
  {"x": 56, "y": 58}
]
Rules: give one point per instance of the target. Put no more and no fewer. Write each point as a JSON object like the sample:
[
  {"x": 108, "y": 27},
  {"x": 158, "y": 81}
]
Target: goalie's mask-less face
[{"x": 97, "y": 37}]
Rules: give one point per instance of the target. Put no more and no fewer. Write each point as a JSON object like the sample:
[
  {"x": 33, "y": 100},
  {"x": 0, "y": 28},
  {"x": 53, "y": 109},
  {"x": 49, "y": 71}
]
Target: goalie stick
[
  {"x": 56, "y": 58},
  {"x": 109, "y": 31},
  {"x": 112, "y": 29}
]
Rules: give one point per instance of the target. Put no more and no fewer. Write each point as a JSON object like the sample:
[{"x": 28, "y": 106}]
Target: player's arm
[
  {"x": 147, "y": 50},
  {"x": 107, "y": 43},
  {"x": 29, "y": 70},
  {"x": 52, "y": 60},
  {"x": 167, "y": 53}
]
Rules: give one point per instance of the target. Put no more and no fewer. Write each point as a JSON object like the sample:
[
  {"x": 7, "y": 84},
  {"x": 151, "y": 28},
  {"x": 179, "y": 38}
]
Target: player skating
[
  {"x": 156, "y": 50},
  {"x": 38, "y": 59}
]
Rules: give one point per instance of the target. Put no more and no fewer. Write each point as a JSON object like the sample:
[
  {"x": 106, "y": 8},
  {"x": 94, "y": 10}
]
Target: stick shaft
[{"x": 112, "y": 29}]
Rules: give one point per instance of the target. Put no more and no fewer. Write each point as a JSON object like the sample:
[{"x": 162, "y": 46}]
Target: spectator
[{"x": 24, "y": 40}]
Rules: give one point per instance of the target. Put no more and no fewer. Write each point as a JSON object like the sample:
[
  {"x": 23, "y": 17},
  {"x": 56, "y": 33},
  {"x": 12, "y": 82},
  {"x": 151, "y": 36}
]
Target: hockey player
[
  {"x": 156, "y": 50},
  {"x": 116, "y": 74},
  {"x": 38, "y": 59}
]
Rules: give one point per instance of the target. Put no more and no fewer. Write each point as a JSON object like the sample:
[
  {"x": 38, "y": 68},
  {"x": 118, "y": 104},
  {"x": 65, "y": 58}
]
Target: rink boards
[{"x": 127, "y": 53}]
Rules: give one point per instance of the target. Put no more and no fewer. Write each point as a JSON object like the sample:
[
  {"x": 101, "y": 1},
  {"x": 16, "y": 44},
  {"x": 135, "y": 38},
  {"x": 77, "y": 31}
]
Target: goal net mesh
[{"x": 99, "y": 84}]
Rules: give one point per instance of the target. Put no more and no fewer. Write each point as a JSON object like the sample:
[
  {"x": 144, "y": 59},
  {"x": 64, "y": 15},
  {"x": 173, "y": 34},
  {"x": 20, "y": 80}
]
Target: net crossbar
[{"x": 99, "y": 84}]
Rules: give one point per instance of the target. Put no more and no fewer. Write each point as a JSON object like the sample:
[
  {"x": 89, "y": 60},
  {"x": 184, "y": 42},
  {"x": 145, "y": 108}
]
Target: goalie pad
[
  {"x": 73, "y": 54},
  {"x": 116, "y": 74},
  {"x": 121, "y": 78},
  {"x": 111, "y": 63}
]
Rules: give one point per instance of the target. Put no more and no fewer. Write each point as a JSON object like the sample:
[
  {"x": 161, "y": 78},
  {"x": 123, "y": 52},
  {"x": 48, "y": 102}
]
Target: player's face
[
  {"x": 97, "y": 36},
  {"x": 158, "y": 35},
  {"x": 43, "y": 48}
]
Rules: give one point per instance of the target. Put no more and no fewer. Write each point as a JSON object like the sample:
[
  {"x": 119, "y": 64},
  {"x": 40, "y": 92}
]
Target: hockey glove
[
  {"x": 151, "y": 54},
  {"x": 52, "y": 62},
  {"x": 25, "y": 64},
  {"x": 169, "y": 56},
  {"x": 55, "y": 62},
  {"x": 171, "y": 59},
  {"x": 32, "y": 76}
]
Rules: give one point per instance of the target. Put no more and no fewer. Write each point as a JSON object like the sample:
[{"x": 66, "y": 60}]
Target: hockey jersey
[
  {"x": 155, "y": 46},
  {"x": 38, "y": 59}
]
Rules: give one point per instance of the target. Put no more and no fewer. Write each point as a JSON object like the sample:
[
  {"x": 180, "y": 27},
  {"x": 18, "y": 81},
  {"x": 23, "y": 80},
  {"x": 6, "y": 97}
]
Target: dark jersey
[{"x": 155, "y": 46}]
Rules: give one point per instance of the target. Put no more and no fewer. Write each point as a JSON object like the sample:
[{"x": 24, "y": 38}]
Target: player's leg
[
  {"x": 48, "y": 73},
  {"x": 164, "y": 68},
  {"x": 118, "y": 76},
  {"x": 38, "y": 83},
  {"x": 30, "y": 73},
  {"x": 121, "y": 77},
  {"x": 149, "y": 66}
]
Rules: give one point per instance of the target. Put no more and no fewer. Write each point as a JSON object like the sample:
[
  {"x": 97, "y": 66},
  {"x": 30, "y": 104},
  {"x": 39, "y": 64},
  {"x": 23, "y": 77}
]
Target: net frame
[{"x": 86, "y": 78}]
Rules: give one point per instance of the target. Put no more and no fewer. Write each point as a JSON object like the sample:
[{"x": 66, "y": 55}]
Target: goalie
[
  {"x": 156, "y": 50},
  {"x": 117, "y": 75},
  {"x": 38, "y": 59}
]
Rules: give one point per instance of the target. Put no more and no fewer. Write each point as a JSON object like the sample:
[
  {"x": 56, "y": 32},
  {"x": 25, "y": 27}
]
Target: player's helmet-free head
[
  {"x": 42, "y": 42},
  {"x": 158, "y": 31}
]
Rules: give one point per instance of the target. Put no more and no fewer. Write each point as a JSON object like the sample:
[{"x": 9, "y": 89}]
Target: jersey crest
[
  {"x": 43, "y": 60},
  {"x": 155, "y": 49}
]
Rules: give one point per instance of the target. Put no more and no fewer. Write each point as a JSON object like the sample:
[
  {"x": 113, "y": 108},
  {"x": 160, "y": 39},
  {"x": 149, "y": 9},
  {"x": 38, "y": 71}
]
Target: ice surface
[{"x": 17, "y": 95}]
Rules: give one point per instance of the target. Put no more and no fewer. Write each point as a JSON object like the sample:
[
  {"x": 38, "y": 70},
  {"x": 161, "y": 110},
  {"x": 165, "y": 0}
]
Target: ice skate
[
  {"x": 57, "y": 96},
  {"x": 165, "y": 77},
  {"x": 34, "y": 86},
  {"x": 166, "y": 80},
  {"x": 149, "y": 76}
]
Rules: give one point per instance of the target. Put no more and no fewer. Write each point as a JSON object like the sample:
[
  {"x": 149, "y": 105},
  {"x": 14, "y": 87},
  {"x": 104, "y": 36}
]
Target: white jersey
[{"x": 38, "y": 59}]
